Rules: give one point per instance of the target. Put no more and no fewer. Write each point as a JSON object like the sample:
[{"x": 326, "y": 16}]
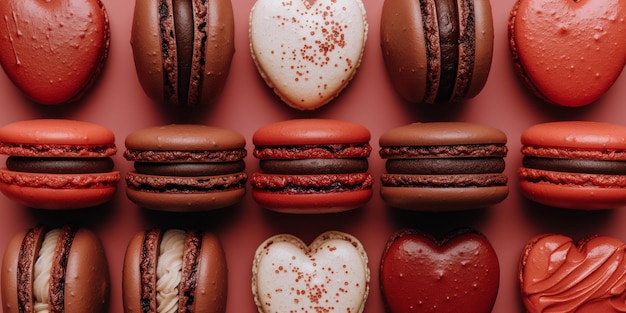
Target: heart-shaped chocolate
[
  {"x": 53, "y": 50},
  {"x": 569, "y": 52},
  {"x": 307, "y": 50},
  {"x": 459, "y": 273},
  {"x": 557, "y": 275},
  {"x": 329, "y": 275}
]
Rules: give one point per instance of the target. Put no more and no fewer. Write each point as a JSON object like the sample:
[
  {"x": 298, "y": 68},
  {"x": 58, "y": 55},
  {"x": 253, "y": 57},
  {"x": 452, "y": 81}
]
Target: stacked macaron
[
  {"x": 58, "y": 164},
  {"x": 186, "y": 167},
  {"x": 312, "y": 166},
  {"x": 443, "y": 166}
]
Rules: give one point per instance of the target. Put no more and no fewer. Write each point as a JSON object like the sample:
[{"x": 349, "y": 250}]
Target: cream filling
[
  {"x": 43, "y": 269},
  {"x": 169, "y": 270}
]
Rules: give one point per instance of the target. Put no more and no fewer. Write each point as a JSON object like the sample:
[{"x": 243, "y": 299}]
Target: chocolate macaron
[
  {"x": 58, "y": 163},
  {"x": 186, "y": 167},
  {"x": 312, "y": 166},
  {"x": 55, "y": 270},
  {"x": 174, "y": 270},
  {"x": 574, "y": 164},
  {"x": 183, "y": 49},
  {"x": 443, "y": 166},
  {"x": 437, "y": 51}
]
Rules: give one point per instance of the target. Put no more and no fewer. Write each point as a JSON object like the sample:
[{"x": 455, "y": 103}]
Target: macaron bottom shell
[
  {"x": 312, "y": 203},
  {"x": 574, "y": 197},
  {"x": 443, "y": 199},
  {"x": 185, "y": 202}
]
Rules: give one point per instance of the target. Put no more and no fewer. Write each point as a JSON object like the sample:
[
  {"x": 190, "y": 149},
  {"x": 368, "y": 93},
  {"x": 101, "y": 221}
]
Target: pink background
[{"x": 118, "y": 102}]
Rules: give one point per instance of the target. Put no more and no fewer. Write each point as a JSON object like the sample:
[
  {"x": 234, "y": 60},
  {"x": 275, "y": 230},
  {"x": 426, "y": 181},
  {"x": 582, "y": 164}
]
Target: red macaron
[
  {"x": 312, "y": 166},
  {"x": 58, "y": 164},
  {"x": 574, "y": 164}
]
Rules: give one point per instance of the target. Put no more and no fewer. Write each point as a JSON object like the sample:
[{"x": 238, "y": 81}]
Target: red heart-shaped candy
[
  {"x": 459, "y": 273},
  {"x": 53, "y": 50}
]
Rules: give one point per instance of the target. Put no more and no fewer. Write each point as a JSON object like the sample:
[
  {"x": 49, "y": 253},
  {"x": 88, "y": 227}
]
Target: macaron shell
[
  {"x": 185, "y": 202},
  {"x": 184, "y": 137},
  {"x": 146, "y": 44},
  {"x": 54, "y": 50},
  {"x": 310, "y": 132},
  {"x": 568, "y": 63},
  {"x": 56, "y": 132},
  {"x": 574, "y": 197},
  {"x": 87, "y": 281},
  {"x": 212, "y": 284},
  {"x": 441, "y": 133},
  {"x": 483, "y": 53},
  {"x": 331, "y": 274},
  {"x": 443, "y": 199},
  {"x": 131, "y": 274},
  {"x": 313, "y": 203},
  {"x": 576, "y": 135}
]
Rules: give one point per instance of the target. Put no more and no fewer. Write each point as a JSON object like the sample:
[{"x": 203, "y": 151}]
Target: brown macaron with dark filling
[
  {"x": 437, "y": 51},
  {"x": 174, "y": 271},
  {"x": 186, "y": 167},
  {"x": 59, "y": 270},
  {"x": 183, "y": 49}
]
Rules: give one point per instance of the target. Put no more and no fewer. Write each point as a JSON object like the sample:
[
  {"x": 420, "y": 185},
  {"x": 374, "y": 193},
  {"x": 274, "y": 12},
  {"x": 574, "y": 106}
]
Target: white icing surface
[
  {"x": 308, "y": 55},
  {"x": 169, "y": 267},
  {"x": 43, "y": 268},
  {"x": 330, "y": 276}
]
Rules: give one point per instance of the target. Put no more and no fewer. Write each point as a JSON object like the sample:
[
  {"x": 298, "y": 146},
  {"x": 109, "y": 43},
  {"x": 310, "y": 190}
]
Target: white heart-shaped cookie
[
  {"x": 307, "y": 50},
  {"x": 330, "y": 275}
]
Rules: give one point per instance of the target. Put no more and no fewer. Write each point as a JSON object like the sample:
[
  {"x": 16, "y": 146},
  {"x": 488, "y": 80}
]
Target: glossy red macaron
[
  {"x": 574, "y": 164},
  {"x": 53, "y": 51},
  {"x": 312, "y": 166},
  {"x": 457, "y": 273},
  {"x": 58, "y": 164}
]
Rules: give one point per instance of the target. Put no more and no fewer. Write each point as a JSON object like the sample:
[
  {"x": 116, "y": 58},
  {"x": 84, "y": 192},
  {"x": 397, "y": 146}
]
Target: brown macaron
[
  {"x": 61, "y": 270},
  {"x": 183, "y": 49},
  {"x": 174, "y": 269},
  {"x": 437, "y": 51}
]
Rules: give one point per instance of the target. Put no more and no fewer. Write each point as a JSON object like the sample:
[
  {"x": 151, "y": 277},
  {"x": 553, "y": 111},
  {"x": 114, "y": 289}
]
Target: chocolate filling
[
  {"x": 60, "y": 165},
  {"x": 189, "y": 169},
  {"x": 576, "y": 165},
  {"x": 147, "y": 268},
  {"x": 445, "y": 166},
  {"x": 184, "y": 30},
  {"x": 189, "y": 275},
  {"x": 448, "y": 21},
  {"x": 314, "y": 166}
]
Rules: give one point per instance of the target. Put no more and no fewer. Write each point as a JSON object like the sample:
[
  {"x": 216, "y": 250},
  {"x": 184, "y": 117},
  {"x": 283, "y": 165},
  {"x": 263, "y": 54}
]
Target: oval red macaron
[
  {"x": 57, "y": 163},
  {"x": 312, "y": 166},
  {"x": 574, "y": 164}
]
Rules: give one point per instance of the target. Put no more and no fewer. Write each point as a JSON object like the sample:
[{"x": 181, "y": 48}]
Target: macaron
[
  {"x": 58, "y": 163},
  {"x": 55, "y": 270},
  {"x": 442, "y": 166},
  {"x": 186, "y": 167},
  {"x": 558, "y": 275},
  {"x": 574, "y": 164},
  {"x": 183, "y": 49},
  {"x": 329, "y": 275},
  {"x": 54, "y": 51},
  {"x": 437, "y": 51},
  {"x": 312, "y": 166},
  {"x": 456, "y": 273},
  {"x": 568, "y": 53},
  {"x": 174, "y": 270},
  {"x": 307, "y": 51}
]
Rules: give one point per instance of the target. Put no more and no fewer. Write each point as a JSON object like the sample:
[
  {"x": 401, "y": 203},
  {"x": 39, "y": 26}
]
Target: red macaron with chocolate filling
[
  {"x": 574, "y": 164},
  {"x": 183, "y": 49},
  {"x": 437, "y": 51},
  {"x": 55, "y": 270},
  {"x": 312, "y": 166},
  {"x": 58, "y": 163},
  {"x": 174, "y": 271},
  {"x": 186, "y": 167}
]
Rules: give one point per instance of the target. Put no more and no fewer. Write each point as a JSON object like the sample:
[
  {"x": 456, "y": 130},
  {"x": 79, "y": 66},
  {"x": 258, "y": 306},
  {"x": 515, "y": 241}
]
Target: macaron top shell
[
  {"x": 310, "y": 132},
  {"x": 576, "y": 134},
  {"x": 95, "y": 139},
  {"x": 185, "y": 137},
  {"x": 442, "y": 133}
]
